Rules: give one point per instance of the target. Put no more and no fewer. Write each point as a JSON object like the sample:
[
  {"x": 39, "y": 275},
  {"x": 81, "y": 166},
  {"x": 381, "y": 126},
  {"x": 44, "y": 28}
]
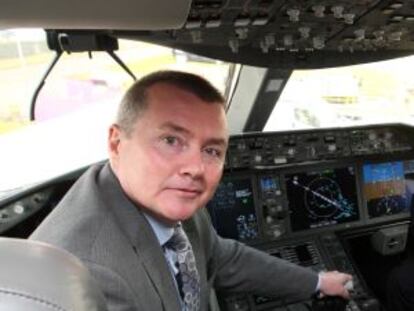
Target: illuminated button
[
  {"x": 396, "y": 5},
  {"x": 359, "y": 34},
  {"x": 379, "y": 34},
  {"x": 388, "y": 135},
  {"x": 272, "y": 210},
  {"x": 396, "y": 36},
  {"x": 193, "y": 24},
  {"x": 318, "y": 42},
  {"x": 260, "y": 21},
  {"x": 372, "y": 136},
  {"x": 287, "y": 40},
  {"x": 387, "y": 11},
  {"x": 329, "y": 139},
  {"x": 257, "y": 158},
  {"x": 278, "y": 160},
  {"x": 241, "y": 22},
  {"x": 276, "y": 232},
  {"x": 332, "y": 148},
  {"x": 312, "y": 151},
  {"x": 304, "y": 32},
  {"x": 397, "y": 18},
  {"x": 270, "y": 39},
  {"x": 19, "y": 208},
  {"x": 264, "y": 46},
  {"x": 242, "y": 33},
  {"x": 213, "y": 23},
  {"x": 234, "y": 45},
  {"x": 196, "y": 36},
  {"x": 291, "y": 151}
]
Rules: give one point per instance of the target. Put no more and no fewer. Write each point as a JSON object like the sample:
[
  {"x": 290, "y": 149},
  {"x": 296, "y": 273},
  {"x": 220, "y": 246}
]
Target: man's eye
[
  {"x": 217, "y": 153},
  {"x": 170, "y": 140}
]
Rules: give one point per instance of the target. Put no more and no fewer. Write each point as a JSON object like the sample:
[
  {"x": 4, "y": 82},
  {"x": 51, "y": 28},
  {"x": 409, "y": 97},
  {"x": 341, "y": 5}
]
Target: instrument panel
[
  {"x": 367, "y": 178},
  {"x": 291, "y": 194}
]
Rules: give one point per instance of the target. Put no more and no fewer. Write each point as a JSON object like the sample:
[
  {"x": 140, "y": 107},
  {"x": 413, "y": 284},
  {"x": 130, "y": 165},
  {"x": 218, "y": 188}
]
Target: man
[{"x": 166, "y": 156}]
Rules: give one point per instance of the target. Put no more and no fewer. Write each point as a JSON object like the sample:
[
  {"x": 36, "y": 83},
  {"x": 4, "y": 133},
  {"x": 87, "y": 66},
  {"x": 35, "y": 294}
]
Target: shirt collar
[{"x": 162, "y": 231}]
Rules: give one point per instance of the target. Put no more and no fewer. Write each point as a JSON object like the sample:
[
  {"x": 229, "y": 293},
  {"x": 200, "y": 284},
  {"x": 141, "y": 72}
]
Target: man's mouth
[{"x": 188, "y": 192}]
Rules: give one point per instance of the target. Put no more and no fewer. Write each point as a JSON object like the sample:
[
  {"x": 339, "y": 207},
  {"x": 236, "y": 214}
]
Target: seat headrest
[{"x": 36, "y": 276}]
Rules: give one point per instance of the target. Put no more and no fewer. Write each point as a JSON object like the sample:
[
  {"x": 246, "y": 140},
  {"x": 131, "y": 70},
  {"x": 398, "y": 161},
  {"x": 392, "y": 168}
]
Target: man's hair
[{"x": 135, "y": 100}]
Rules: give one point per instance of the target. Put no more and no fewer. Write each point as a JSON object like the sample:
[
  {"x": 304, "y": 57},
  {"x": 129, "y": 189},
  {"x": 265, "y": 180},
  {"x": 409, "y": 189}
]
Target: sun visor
[{"x": 94, "y": 14}]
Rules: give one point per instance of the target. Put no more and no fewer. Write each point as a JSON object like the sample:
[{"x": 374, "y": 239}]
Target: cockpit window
[
  {"x": 374, "y": 93},
  {"x": 76, "y": 104}
]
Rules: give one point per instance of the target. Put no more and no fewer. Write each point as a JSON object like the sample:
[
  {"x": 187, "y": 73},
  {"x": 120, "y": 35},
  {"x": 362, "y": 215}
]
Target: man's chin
[{"x": 180, "y": 214}]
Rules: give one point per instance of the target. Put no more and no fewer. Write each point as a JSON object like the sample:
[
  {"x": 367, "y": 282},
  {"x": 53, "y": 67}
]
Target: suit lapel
[
  {"x": 153, "y": 260},
  {"x": 143, "y": 240}
]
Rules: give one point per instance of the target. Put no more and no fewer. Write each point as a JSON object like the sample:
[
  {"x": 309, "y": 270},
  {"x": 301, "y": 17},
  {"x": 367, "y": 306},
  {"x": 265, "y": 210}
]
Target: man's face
[{"x": 172, "y": 161}]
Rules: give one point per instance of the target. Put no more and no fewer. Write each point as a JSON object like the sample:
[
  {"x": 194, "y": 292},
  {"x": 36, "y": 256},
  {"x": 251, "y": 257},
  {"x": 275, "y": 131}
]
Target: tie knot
[{"x": 179, "y": 241}]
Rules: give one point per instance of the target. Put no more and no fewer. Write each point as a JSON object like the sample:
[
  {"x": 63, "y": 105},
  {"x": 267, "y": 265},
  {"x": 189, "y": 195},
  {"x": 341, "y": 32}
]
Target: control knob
[
  {"x": 273, "y": 210},
  {"x": 276, "y": 231}
]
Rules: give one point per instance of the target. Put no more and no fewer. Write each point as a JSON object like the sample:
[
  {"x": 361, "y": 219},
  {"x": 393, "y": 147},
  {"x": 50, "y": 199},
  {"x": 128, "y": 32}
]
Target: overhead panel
[{"x": 294, "y": 33}]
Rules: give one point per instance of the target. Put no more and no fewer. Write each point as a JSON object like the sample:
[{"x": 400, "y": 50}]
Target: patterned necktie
[{"x": 188, "y": 279}]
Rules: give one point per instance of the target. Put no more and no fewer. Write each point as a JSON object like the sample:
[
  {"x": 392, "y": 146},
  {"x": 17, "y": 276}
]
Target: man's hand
[{"x": 333, "y": 284}]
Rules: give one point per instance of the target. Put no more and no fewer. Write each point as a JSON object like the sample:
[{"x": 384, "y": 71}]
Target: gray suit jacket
[{"x": 99, "y": 224}]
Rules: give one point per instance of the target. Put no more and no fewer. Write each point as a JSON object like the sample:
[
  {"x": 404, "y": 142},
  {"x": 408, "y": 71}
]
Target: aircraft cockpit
[{"x": 319, "y": 169}]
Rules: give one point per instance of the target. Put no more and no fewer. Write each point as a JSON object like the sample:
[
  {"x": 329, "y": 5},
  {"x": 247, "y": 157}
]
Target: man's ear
[{"x": 114, "y": 139}]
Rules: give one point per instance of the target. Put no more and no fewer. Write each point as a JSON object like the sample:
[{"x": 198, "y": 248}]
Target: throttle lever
[{"x": 329, "y": 303}]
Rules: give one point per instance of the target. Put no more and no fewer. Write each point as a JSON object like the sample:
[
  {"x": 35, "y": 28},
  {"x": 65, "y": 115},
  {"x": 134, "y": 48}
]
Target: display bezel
[
  {"x": 250, "y": 179},
  {"x": 384, "y": 218},
  {"x": 316, "y": 168}
]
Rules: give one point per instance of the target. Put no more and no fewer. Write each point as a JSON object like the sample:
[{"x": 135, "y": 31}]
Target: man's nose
[{"x": 193, "y": 164}]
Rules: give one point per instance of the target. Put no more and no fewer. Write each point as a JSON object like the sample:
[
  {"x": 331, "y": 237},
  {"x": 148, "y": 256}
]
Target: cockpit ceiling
[
  {"x": 293, "y": 33},
  {"x": 95, "y": 15},
  {"x": 269, "y": 33}
]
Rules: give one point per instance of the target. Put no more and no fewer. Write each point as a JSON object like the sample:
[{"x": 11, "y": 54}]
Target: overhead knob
[
  {"x": 234, "y": 45},
  {"x": 294, "y": 15},
  {"x": 276, "y": 232},
  {"x": 304, "y": 32},
  {"x": 319, "y": 10},
  {"x": 337, "y": 11},
  {"x": 349, "y": 18},
  {"x": 318, "y": 42}
]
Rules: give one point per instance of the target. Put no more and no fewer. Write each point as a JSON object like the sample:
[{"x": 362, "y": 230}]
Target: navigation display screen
[
  {"x": 321, "y": 198},
  {"x": 388, "y": 187},
  {"x": 232, "y": 210}
]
